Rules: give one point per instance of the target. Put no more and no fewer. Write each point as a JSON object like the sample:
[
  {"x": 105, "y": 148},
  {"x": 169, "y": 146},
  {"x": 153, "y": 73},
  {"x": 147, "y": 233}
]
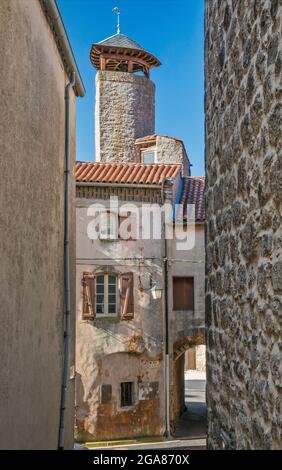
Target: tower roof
[
  {"x": 121, "y": 54},
  {"x": 120, "y": 40}
]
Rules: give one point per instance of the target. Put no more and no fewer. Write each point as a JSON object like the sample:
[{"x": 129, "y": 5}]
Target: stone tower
[{"x": 125, "y": 102}]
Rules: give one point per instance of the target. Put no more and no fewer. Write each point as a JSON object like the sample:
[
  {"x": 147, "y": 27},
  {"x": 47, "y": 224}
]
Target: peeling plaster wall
[
  {"x": 187, "y": 328},
  {"x": 32, "y": 141},
  {"x": 112, "y": 351},
  {"x": 243, "y": 56},
  {"x": 104, "y": 346},
  {"x": 188, "y": 263}
]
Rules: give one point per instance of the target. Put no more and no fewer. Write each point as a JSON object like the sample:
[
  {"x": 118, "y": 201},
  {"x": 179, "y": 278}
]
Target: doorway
[{"x": 192, "y": 418}]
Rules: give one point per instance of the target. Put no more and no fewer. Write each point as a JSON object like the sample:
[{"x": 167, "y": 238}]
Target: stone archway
[{"x": 180, "y": 347}]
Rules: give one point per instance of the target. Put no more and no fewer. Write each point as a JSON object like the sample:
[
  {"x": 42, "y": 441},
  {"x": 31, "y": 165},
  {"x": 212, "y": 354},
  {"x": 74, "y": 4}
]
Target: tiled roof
[
  {"x": 126, "y": 173},
  {"x": 193, "y": 192},
  {"x": 120, "y": 40}
]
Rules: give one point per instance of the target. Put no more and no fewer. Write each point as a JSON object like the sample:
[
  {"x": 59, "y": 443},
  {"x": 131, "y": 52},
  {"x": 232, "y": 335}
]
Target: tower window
[
  {"x": 148, "y": 156},
  {"x": 126, "y": 397}
]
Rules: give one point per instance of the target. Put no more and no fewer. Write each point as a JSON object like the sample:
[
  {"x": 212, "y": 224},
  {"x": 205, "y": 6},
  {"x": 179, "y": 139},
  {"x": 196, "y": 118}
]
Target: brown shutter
[
  {"x": 127, "y": 296},
  {"x": 88, "y": 296},
  {"x": 183, "y": 293}
]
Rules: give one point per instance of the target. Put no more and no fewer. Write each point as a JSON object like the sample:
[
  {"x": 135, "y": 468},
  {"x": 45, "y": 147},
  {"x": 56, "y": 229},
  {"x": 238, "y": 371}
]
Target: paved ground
[{"x": 193, "y": 422}]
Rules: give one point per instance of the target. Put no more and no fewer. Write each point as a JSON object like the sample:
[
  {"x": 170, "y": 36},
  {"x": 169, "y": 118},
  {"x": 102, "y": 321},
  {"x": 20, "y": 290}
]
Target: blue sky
[{"x": 172, "y": 30}]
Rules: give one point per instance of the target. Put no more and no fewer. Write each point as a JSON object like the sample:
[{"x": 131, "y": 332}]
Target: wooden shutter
[
  {"x": 126, "y": 296},
  {"x": 183, "y": 293},
  {"x": 88, "y": 296}
]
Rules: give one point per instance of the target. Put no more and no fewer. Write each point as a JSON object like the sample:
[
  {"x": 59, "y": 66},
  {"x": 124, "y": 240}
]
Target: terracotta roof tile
[
  {"x": 193, "y": 192},
  {"x": 126, "y": 173}
]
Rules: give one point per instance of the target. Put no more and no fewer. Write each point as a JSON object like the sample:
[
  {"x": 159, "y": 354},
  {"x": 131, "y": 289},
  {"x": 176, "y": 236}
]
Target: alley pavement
[{"x": 193, "y": 422}]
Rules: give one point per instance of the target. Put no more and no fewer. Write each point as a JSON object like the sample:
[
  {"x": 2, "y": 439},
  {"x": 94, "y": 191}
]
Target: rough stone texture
[
  {"x": 125, "y": 111},
  {"x": 170, "y": 150},
  {"x": 32, "y": 144},
  {"x": 244, "y": 205}
]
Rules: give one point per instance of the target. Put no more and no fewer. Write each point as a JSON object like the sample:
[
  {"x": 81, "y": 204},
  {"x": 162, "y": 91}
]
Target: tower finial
[{"x": 117, "y": 12}]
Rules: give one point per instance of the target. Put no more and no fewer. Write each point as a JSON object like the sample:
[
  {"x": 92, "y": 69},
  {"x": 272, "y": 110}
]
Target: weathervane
[{"x": 117, "y": 12}]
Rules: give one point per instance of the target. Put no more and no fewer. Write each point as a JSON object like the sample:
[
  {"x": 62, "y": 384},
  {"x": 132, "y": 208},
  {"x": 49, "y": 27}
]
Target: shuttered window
[
  {"x": 183, "y": 293},
  {"x": 126, "y": 296},
  {"x": 100, "y": 295},
  {"x": 88, "y": 296}
]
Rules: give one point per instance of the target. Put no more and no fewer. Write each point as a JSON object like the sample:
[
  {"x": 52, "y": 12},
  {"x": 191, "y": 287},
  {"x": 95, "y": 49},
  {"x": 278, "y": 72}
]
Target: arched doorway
[{"x": 189, "y": 388}]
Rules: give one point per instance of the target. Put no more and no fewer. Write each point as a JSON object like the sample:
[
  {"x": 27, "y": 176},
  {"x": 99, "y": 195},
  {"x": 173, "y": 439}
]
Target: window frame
[
  {"x": 124, "y": 407},
  {"x": 149, "y": 150},
  {"x": 106, "y": 303}
]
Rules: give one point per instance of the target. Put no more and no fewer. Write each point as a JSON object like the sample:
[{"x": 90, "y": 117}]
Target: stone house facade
[
  {"x": 36, "y": 64},
  {"x": 243, "y": 57},
  {"x": 140, "y": 300},
  {"x": 122, "y": 346}
]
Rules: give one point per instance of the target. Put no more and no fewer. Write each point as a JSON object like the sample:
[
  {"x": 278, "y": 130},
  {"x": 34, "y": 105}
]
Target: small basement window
[{"x": 126, "y": 394}]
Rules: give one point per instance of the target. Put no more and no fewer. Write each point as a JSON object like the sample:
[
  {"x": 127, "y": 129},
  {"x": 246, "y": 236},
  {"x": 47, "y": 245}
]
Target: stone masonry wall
[
  {"x": 170, "y": 150},
  {"x": 125, "y": 111},
  {"x": 243, "y": 60}
]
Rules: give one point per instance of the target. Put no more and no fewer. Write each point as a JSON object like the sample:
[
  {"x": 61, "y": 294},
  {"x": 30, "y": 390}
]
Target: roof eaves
[{"x": 53, "y": 16}]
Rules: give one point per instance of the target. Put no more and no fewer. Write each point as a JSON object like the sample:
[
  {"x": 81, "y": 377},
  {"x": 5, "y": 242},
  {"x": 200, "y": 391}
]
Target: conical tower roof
[
  {"x": 121, "y": 40},
  {"x": 119, "y": 53}
]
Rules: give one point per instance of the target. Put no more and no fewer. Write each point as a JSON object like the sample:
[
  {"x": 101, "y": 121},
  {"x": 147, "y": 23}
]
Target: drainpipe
[
  {"x": 167, "y": 364},
  {"x": 67, "y": 300},
  {"x": 166, "y": 315}
]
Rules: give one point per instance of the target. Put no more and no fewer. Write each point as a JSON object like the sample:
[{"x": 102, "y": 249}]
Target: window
[
  {"x": 106, "y": 294},
  {"x": 148, "y": 156},
  {"x": 108, "y": 225},
  {"x": 106, "y": 394},
  {"x": 126, "y": 397},
  {"x": 183, "y": 293}
]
